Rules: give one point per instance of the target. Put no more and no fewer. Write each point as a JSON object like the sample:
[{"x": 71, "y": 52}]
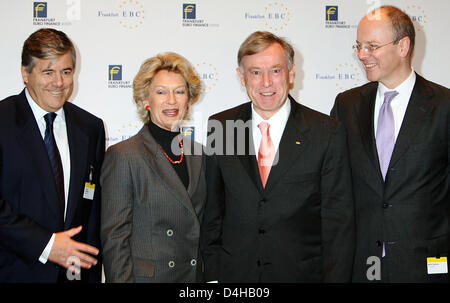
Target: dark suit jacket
[
  {"x": 31, "y": 211},
  {"x": 300, "y": 228},
  {"x": 410, "y": 211},
  {"x": 150, "y": 223}
]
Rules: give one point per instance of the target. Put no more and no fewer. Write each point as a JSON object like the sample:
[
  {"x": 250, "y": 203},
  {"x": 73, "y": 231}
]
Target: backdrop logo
[
  {"x": 208, "y": 74},
  {"x": 417, "y": 15},
  {"x": 276, "y": 16},
  {"x": 115, "y": 79},
  {"x": 331, "y": 13},
  {"x": 132, "y": 14},
  {"x": 333, "y": 20},
  {"x": 189, "y": 11},
  {"x": 123, "y": 132},
  {"x": 41, "y": 15},
  {"x": 188, "y": 132},
  {"x": 345, "y": 76},
  {"x": 190, "y": 19},
  {"x": 129, "y": 13},
  {"x": 115, "y": 72},
  {"x": 40, "y": 9}
]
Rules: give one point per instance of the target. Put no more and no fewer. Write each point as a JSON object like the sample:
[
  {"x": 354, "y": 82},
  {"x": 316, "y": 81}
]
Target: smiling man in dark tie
[{"x": 51, "y": 152}]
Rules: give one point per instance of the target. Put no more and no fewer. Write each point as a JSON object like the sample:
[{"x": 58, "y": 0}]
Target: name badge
[
  {"x": 437, "y": 265},
  {"x": 89, "y": 190}
]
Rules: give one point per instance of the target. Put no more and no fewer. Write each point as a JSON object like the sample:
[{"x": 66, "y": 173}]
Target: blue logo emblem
[
  {"x": 331, "y": 13},
  {"x": 188, "y": 132},
  {"x": 115, "y": 72},
  {"x": 189, "y": 11},
  {"x": 39, "y": 9}
]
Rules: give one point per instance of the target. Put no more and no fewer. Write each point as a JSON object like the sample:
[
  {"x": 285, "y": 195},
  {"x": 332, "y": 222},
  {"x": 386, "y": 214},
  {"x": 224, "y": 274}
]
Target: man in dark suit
[
  {"x": 50, "y": 157},
  {"x": 287, "y": 214},
  {"x": 398, "y": 139}
]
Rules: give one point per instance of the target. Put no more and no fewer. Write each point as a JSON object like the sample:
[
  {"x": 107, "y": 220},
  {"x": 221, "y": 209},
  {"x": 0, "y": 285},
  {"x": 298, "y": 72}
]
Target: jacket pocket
[{"x": 143, "y": 267}]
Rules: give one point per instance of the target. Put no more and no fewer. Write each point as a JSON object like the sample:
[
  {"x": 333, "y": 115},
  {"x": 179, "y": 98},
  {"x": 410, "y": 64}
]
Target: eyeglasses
[{"x": 368, "y": 49}]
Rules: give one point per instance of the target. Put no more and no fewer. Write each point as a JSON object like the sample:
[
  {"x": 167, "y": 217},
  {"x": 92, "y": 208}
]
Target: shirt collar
[
  {"x": 38, "y": 112},
  {"x": 405, "y": 88},
  {"x": 278, "y": 120}
]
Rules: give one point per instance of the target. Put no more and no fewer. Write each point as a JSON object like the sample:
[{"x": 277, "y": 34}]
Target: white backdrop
[{"x": 119, "y": 35}]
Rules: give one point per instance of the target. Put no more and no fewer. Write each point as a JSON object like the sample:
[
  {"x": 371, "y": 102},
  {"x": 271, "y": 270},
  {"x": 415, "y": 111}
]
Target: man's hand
[{"x": 64, "y": 247}]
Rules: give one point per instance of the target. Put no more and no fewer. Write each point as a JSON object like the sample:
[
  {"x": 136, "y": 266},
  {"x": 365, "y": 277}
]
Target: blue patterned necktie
[
  {"x": 385, "y": 132},
  {"x": 54, "y": 157}
]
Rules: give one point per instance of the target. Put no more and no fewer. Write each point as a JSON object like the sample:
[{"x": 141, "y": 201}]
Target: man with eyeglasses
[{"x": 398, "y": 131}]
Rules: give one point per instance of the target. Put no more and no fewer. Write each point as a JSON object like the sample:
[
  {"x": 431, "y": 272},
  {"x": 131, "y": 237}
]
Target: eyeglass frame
[{"x": 370, "y": 49}]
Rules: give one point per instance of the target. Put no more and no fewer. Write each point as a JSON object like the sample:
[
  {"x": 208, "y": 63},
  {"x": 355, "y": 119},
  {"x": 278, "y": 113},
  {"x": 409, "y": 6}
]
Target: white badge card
[
  {"x": 437, "y": 265},
  {"x": 89, "y": 190}
]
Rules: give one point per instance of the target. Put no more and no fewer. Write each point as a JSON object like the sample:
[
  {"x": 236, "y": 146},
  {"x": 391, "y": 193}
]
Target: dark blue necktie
[{"x": 54, "y": 157}]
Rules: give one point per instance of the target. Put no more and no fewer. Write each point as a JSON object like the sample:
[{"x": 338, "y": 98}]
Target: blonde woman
[{"x": 153, "y": 191}]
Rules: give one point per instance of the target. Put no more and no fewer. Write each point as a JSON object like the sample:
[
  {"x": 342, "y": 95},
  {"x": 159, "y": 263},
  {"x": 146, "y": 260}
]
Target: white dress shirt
[
  {"x": 398, "y": 104},
  {"x": 60, "y": 132},
  {"x": 277, "y": 124}
]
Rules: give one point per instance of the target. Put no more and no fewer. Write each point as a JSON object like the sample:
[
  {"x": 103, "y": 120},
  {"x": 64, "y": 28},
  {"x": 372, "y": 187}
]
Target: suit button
[
  {"x": 171, "y": 264},
  {"x": 258, "y": 263},
  {"x": 193, "y": 262},
  {"x": 261, "y": 231},
  {"x": 385, "y": 205},
  {"x": 263, "y": 201},
  {"x": 169, "y": 233},
  {"x": 378, "y": 242}
]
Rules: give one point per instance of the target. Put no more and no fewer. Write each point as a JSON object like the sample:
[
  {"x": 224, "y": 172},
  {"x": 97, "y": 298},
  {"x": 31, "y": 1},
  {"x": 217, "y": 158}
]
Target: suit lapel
[
  {"x": 194, "y": 163},
  {"x": 78, "y": 147},
  {"x": 194, "y": 166},
  {"x": 158, "y": 163},
  {"x": 248, "y": 159},
  {"x": 365, "y": 113},
  {"x": 293, "y": 141},
  {"x": 33, "y": 147},
  {"x": 417, "y": 111}
]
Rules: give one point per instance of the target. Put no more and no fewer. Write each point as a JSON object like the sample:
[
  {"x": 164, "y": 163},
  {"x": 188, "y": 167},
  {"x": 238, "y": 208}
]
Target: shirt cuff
[{"x": 46, "y": 253}]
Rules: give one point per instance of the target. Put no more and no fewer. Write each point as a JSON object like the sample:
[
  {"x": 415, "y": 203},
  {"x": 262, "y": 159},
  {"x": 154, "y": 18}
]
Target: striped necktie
[{"x": 54, "y": 157}]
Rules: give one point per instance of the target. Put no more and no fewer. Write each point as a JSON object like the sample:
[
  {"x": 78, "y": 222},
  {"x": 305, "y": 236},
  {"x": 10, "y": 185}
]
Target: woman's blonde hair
[{"x": 169, "y": 61}]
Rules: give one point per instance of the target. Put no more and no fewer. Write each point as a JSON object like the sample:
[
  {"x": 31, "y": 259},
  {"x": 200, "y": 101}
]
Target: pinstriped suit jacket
[{"x": 150, "y": 223}]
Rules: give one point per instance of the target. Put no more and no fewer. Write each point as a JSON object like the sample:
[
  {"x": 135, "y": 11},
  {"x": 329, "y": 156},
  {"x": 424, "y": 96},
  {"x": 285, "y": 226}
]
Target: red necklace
[{"x": 182, "y": 153}]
